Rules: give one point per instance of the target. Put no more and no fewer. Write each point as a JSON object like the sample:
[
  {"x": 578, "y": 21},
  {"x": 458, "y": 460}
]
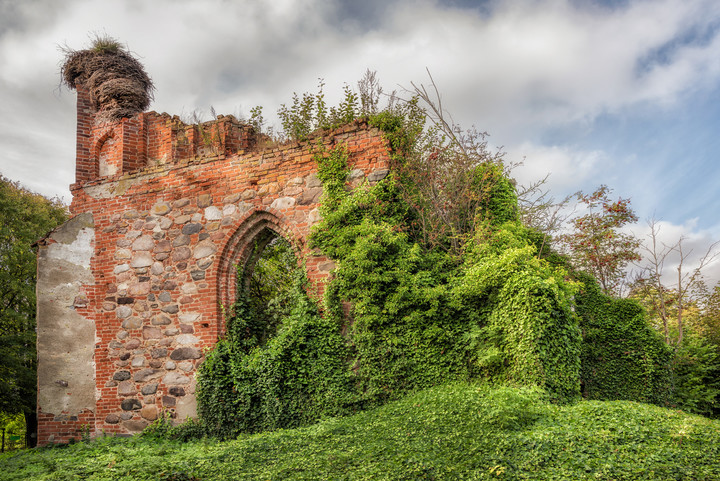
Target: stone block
[
  {"x": 152, "y": 332},
  {"x": 149, "y": 412},
  {"x": 121, "y": 376},
  {"x": 213, "y": 213},
  {"x": 183, "y": 353},
  {"x": 130, "y": 404},
  {"x": 175, "y": 378},
  {"x": 204, "y": 249},
  {"x": 147, "y": 374},
  {"x": 161, "y": 208},
  {"x": 143, "y": 243},
  {"x": 141, "y": 259},
  {"x": 149, "y": 389}
]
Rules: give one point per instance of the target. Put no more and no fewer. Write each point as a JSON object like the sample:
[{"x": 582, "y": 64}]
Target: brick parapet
[{"x": 107, "y": 150}]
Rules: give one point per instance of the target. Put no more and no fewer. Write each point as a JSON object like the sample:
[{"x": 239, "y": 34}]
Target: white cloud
[{"x": 567, "y": 168}]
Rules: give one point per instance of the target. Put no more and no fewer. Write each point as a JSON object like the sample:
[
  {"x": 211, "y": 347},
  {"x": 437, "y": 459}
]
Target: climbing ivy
[
  {"x": 410, "y": 306},
  {"x": 622, "y": 356},
  {"x": 523, "y": 329},
  {"x": 295, "y": 378},
  {"x": 420, "y": 317}
]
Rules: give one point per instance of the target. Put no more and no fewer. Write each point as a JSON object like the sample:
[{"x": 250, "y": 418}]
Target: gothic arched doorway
[{"x": 258, "y": 262}]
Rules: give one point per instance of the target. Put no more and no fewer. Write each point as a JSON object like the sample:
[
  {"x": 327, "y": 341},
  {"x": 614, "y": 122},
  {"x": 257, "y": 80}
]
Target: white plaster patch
[
  {"x": 78, "y": 252},
  {"x": 66, "y": 376}
]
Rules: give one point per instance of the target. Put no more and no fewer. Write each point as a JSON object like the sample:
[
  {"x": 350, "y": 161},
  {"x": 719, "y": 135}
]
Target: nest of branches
[{"x": 117, "y": 82}]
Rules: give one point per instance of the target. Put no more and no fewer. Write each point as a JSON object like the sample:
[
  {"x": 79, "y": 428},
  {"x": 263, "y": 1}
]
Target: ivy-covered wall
[
  {"x": 397, "y": 315},
  {"x": 622, "y": 356},
  {"x": 428, "y": 288}
]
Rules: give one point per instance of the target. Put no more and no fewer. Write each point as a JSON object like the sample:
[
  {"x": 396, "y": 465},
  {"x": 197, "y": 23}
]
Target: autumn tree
[
  {"x": 597, "y": 244},
  {"x": 25, "y": 217}
]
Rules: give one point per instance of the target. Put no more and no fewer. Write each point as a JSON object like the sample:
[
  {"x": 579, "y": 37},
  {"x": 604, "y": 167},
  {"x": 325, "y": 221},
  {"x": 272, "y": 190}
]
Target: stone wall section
[{"x": 180, "y": 209}]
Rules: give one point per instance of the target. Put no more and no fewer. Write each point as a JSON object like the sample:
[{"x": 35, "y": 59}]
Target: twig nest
[{"x": 117, "y": 82}]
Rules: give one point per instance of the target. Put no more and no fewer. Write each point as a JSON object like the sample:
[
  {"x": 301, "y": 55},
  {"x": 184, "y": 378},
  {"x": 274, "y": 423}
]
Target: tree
[
  {"x": 709, "y": 323},
  {"x": 686, "y": 313},
  {"x": 597, "y": 245},
  {"x": 672, "y": 304},
  {"x": 24, "y": 218},
  {"x": 449, "y": 175}
]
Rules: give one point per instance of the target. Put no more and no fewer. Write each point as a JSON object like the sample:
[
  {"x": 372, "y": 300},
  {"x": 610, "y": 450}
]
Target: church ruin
[{"x": 131, "y": 290}]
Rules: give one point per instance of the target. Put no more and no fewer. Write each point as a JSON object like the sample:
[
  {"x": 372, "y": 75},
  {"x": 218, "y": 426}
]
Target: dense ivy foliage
[
  {"x": 622, "y": 356},
  {"x": 421, "y": 316},
  {"x": 520, "y": 309},
  {"x": 436, "y": 280},
  {"x": 696, "y": 376},
  {"x": 296, "y": 377},
  {"x": 400, "y": 314}
]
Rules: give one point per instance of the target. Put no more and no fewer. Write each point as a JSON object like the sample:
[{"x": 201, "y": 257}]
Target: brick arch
[
  {"x": 104, "y": 155},
  {"x": 238, "y": 249}
]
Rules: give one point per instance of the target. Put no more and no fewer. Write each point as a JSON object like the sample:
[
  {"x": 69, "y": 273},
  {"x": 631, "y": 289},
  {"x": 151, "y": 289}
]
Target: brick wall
[{"x": 177, "y": 208}]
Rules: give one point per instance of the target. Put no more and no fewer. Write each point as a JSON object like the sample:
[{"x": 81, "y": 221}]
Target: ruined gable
[{"x": 131, "y": 290}]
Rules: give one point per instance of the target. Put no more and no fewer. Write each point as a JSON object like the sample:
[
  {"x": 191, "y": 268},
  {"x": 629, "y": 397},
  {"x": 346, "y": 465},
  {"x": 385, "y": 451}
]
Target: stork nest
[{"x": 117, "y": 82}]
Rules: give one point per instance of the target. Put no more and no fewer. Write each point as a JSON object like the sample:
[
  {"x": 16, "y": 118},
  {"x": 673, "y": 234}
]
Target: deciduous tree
[
  {"x": 671, "y": 304},
  {"x": 597, "y": 244},
  {"x": 24, "y": 218}
]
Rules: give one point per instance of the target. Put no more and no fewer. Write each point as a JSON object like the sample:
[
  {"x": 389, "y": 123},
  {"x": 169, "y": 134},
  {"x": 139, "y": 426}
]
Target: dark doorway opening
[{"x": 266, "y": 285}]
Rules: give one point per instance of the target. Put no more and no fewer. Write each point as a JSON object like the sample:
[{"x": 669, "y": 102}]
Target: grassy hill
[{"x": 458, "y": 431}]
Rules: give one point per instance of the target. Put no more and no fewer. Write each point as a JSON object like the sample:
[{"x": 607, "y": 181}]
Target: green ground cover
[{"x": 457, "y": 431}]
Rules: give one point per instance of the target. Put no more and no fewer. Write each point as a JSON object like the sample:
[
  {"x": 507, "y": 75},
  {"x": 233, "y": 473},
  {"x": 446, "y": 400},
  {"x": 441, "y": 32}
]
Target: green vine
[{"x": 295, "y": 378}]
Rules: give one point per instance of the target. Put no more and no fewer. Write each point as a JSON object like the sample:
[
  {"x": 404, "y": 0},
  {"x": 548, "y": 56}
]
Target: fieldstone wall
[{"x": 153, "y": 265}]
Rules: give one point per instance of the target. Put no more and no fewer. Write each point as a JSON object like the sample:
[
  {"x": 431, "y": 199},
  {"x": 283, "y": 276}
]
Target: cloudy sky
[{"x": 618, "y": 92}]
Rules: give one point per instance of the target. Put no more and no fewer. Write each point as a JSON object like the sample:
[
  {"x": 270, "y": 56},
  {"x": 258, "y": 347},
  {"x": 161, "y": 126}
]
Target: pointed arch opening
[{"x": 258, "y": 264}]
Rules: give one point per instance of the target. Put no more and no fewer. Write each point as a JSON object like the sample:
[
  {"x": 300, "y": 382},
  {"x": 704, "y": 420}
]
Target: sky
[{"x": 624, "y": 93}]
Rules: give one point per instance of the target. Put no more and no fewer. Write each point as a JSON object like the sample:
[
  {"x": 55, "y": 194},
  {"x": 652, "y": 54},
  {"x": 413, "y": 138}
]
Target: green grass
[{"x": 450, "y": 432}]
